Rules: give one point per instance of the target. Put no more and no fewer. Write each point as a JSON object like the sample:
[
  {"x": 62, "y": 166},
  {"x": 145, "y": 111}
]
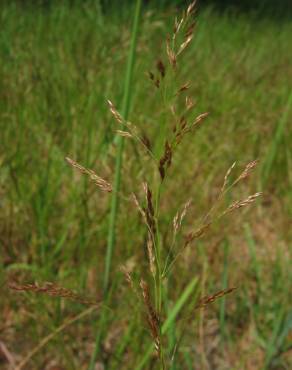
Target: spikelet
[
  {"x": 115, "y": 113},
  {"x": 161, "y": 68},
  {"x": 197, "y": 233},
  {"x": 53, "y": 290},
  {"x": 165, "y": 160},
  {"x": 226, "y": 177},
  {"x": 154, "y": 79},
  {"x": 184, "y": 45},
  {"x": 175, "y": 223},
  {"x": 189, "y": 103},
  {"x": 191, "y": 8},
  {"x": 188, "y": 36},
  {"x": 184, "y": 211},
  {"x": 246, "y": 172},
  {"x": 184, "y": 87},
  {"x": 241, "y": 203},
  {"x": 199, "y": 119},
  {"x": 132, "y": 131},
  {"x": 126, "y": 271},
  {"x": 177, "y": 26},
  {"x": 100, "y": 182},
  {"x": 151, "y": 255},
  {"x": 178, "y": 218},
  {"x": 171, "y": 54},
  {"x": 124, "y": 133},
  {"x": 146, "y": 142},
  {"x": 184, "y": 128},
  {"x": 152, "y": 316},
  {"x": 149, "y": 210},
  {"x": 205, "y": 301}
]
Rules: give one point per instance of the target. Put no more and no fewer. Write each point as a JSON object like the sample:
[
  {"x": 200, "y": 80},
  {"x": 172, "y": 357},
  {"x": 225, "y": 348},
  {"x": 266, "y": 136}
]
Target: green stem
[
  {"x": 159, "y": 280},
  {"x": 120, "y": 145},
  {"x": 158, "y": 251},
  {"x": 117, "y": 179}
]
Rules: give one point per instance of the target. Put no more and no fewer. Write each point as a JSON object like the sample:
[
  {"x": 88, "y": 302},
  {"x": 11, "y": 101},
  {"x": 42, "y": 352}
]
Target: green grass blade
[
  {"x": 120, "y": 143},
  {"x": 272, "y": 344},
  {"x": 117, "y": 179},
  {"x": 268, "y": 164},
  {"x": 179, "y": 304}
]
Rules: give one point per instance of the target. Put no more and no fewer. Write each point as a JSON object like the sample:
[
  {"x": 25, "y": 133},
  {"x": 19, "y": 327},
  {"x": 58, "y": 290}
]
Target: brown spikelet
[
  {"x": 184, "y": 45},
  {"x": 148, "y": 194},
  {"x": 100, "y": 182},
  {"x": 52, "y": 290},
  {"x": 196, "y": 234},
  {"x": 226, "y": 177},
  {"x": 189, "y": 103},
  {"x": 150, "y": 250},
  {"x": 248, "y": 168},
  {"x": 184, "y": 87},
  {"x": 165, "y": 160},
  {"x": 152, "y": 316},
  {"x": 190, "y": 30},
  {"x": 177, "y": 25},
  {"x": 205, "y": 301},
  {"x": 191, "y": 8},
  {"x": 182, "y": 127},
  {"x": 124, "y": 133},
  {"x": 175, "y": 223},
  {"x": 184, "y": 211},
  {"x": 171, "y": 54},
  {"x": 149, "y": 210},
  {"x": 151, "y": 76},
  {"x": 154, "y": 79},
  {"x": 128, "y": 277},
  {"x": 114, "y": 112},
  {"x": 241, "y": 203},
  {"x": 185, "y": 128},
  {"x": 161, "y": 68},
  {"x": 199, "y": 119},
  {"x": 183, "y": 123},
  {"x": 134, "y": 133},
  {"x": 178, "y": 218},
  {"x": 146, "y": 142},
  {"x": 174, "y": 128}
]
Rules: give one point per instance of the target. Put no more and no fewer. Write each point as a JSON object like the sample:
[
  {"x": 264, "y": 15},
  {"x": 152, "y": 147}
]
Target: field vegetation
[{"x": 190, "y": 280}]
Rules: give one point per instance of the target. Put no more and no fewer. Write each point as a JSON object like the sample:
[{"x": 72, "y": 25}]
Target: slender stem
[
  {"x": 117, "y": 179},
  {"x": 120, "y": 144},
  {"x": 159, "y": 280},
  {"x": 158, "y": 251}
]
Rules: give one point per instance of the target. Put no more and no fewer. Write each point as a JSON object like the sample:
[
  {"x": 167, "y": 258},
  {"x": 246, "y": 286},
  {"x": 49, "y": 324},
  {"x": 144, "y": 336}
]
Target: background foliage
[{"x": 60, "y": 62}]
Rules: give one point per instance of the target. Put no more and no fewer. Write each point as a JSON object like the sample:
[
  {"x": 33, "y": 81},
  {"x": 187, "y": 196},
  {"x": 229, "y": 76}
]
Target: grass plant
[{"x": 167, "y": 285}]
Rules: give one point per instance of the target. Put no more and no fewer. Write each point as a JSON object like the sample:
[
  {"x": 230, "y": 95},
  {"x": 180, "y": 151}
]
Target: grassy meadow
[{"x": 58, "y": 67}]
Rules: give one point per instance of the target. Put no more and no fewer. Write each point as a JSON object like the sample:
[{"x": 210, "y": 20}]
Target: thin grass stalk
[
  {"x": 170, "y": 321},
  {"x": 120, "y": 145},
  {"x": 158, "y": 277},
  {"x": 117, "y": 179},
  {"x": 158, "y": 253}
]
